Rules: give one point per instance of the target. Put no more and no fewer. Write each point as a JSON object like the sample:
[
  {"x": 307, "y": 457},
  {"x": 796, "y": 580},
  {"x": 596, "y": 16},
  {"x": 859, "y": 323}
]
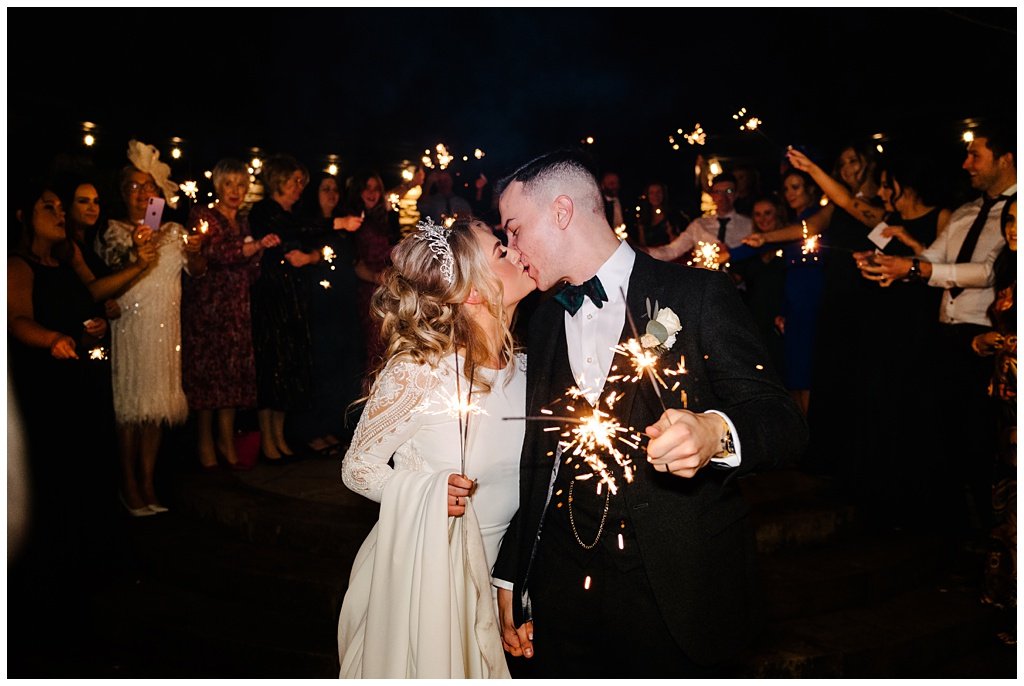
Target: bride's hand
[{"x": 459, "y": 487}]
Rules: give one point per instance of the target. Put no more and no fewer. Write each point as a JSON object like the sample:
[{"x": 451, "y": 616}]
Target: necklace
[{"x": 572, "y": 519}]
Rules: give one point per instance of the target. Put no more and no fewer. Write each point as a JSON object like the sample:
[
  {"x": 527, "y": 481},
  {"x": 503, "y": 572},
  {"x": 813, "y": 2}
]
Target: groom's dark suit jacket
[{"x": 695, "y": 541}]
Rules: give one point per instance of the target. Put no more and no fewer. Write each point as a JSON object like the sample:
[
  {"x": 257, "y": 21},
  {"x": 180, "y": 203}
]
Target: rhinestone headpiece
[{"x": 437, "y": 239}]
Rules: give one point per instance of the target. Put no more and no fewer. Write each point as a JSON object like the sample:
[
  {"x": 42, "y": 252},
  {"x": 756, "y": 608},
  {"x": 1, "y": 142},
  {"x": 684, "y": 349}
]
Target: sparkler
[
  {"x": 621, "y": 233},
  {"x": 328, "y": 253},
  {"x": 810, "y": 245},
  {"x": 705, "y": 255},
  {"x": 749, "y": 122},
  {"x": 98, "y": 353},
  {"x": 441, "y": 160},
  {"x": 190, "y": 189}
]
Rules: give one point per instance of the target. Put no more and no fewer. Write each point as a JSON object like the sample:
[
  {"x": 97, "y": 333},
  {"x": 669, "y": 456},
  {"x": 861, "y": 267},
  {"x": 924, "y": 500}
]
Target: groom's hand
[
  {"x": 682, "y": 442},
  {"x": 516, "y": 642}
]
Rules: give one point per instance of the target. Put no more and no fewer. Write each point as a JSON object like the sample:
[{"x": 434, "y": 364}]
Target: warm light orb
[{"x": 89, "y": 139}]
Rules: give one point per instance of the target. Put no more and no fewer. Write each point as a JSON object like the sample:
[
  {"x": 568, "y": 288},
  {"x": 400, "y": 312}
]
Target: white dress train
[{"x": 420, "y": 602}]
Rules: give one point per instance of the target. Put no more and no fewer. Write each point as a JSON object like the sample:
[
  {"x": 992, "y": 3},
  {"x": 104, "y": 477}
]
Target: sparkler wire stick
[{"x": 636, "y": 335}]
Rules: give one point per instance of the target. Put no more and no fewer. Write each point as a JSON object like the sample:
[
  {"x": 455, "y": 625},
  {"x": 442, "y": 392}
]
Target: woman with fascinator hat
[
  {"x": 420, "y": 602},
  {"x": 146, "y": 339}
]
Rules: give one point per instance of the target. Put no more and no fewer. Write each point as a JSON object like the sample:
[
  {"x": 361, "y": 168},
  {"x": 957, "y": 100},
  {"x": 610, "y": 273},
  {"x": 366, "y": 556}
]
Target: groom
[{"x": 657, "y": 580}]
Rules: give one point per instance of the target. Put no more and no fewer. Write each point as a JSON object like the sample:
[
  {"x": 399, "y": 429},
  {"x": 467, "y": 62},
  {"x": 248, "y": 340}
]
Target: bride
[{"x": 420, "y": 601}]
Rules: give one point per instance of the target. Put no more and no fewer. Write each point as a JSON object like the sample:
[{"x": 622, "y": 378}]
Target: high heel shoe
[
  {"x": 157, "y": 509},
  {"x": 143, "y": 511}
]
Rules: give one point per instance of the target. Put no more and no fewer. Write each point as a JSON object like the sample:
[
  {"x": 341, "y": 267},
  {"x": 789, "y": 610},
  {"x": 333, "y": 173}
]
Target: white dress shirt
[
  {"x": 975, "y": 277},
  {"x": 592, "y": 334}
]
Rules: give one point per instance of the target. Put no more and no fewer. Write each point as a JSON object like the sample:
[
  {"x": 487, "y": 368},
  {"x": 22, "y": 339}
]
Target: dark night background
[{"x": 379, "y": 86}]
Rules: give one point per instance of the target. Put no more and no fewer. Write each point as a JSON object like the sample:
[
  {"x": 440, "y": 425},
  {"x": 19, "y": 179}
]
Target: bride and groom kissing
[{"x": 491, "y": 556}]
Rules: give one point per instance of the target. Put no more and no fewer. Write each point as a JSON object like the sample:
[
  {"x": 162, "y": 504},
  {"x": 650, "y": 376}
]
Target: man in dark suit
[{"x": 657, "y": 580}]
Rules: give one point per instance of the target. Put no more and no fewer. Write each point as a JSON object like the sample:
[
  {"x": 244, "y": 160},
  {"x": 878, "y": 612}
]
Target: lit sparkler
[
  {"x": 697, "y": 136},
  {"x": 190, "y": 189},
  {"x": 328, "y": 253},
  {"x": 326, "y": 284},
  {"x": 705, "y": 255},
  {"x": 810, "y": 245},
  {"x": 98, "y": 353},
  {"x": 440, "y": 157},
  {"x": 620, "y": 232}
]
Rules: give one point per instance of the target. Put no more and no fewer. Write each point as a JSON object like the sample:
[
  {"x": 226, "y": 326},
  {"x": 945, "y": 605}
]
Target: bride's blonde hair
[{"x": 423, "y": 316}]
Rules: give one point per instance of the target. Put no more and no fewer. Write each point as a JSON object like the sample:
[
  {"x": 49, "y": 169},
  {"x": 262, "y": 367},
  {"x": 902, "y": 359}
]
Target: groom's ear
[{"x": 563, "y": 210}]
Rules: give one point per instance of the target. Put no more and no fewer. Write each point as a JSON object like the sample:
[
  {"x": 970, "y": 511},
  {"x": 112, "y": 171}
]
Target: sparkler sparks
[
  {"x": 326, "y": 284},
  {"x": 328, "y": 253},
  {"x": 98, "y": 353},
  {"x": 190, "y": 189},
  {"x": 621, "y": 233},
  {"x": 705, "y": 255},
  {"x": 697, "y": 136}
]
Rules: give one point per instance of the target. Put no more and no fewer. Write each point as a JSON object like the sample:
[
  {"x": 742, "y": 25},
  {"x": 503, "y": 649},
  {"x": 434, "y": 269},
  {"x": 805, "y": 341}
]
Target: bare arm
[
  {"x": 815, "y": 225},
  {"x": 865, "y": 212}
]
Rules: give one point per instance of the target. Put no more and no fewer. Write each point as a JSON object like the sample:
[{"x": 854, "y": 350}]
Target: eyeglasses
[
  {"x": 149, "y": 187},
  {"x": 726, "y": 191}
]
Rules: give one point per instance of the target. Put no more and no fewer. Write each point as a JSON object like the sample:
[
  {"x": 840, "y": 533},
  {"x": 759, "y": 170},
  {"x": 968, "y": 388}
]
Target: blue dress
[{"x": 800, "y": 305}]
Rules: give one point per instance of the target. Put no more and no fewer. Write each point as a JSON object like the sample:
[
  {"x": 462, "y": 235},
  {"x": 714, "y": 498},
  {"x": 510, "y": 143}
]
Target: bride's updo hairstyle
[{"x": 420, "y": 301}]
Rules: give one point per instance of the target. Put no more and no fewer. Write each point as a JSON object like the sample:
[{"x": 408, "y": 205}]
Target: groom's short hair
[{"x": 559, "y": 172}]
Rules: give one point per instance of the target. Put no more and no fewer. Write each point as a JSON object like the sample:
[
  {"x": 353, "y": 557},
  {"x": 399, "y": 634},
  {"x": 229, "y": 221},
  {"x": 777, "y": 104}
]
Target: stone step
[
  {"x": 908, "y": 636},
  {"x": 165, "y": 630},
  {"x": 864, "y": 569}
]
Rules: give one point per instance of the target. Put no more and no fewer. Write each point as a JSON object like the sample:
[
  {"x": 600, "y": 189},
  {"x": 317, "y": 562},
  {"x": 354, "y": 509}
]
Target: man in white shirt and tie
[
  {"x": 960, "y": 261},
  {"x": 725, "y": 227},
  {"x": 660, "y": 574}
]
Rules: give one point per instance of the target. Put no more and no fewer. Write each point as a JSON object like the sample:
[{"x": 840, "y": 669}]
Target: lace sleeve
[{"x": 392, "y": 415}]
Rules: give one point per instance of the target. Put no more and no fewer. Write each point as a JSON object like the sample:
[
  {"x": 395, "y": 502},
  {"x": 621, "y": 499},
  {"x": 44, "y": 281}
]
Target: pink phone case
[{"x": 154, "y": 212}]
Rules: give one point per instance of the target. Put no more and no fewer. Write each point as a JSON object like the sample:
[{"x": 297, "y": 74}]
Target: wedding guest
[
  {"x": 52, "y": 323},
  {"x": 439, "y": 200},
  {"x": 219, "y": 368},
  {"x": 762, "y": 275},
  {"x": 960, "y": 263},
  {"x": 80, "y": 196},
  {"x": 748, "y": 187},
  {"x": 280, "y": 304},
  {"x": 446, "y": 305},
  {"x": 337, "y": 342},
  {"x": 146, "y": 338},
  {"x": 658, "y": 221},
  {"x": 611, "y": 188},
  {"x": 869, "y": 340},
  {"x": 374, "y": 240},
  {"x": 725, "y": 227},
  {"x": 1000, "y": 586}
]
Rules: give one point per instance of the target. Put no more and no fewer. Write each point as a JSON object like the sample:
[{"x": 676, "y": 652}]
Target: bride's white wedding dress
[{"x": 420, "y": 602}]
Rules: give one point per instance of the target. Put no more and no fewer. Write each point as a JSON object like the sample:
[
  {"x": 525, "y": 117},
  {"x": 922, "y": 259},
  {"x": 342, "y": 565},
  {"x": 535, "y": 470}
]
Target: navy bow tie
[{"x": 571, "y": 297}]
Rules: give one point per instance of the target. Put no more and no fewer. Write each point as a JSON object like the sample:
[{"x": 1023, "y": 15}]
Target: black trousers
[
  {"x": 967, "y": 425},
  {"x": 610, "y": 627}
]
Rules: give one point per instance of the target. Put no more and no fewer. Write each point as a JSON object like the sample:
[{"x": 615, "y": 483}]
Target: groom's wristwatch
[{"x": 728, "y": 445}]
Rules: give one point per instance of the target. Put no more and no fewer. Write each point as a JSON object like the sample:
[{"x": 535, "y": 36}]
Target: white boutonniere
[{"x": 661, "y": 329}]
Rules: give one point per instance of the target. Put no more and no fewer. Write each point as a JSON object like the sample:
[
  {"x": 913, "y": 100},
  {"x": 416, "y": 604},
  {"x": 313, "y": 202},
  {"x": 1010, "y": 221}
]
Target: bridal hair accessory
[
  {"x": 437, "y": 240},
  {"x": 146, "y": 158}
]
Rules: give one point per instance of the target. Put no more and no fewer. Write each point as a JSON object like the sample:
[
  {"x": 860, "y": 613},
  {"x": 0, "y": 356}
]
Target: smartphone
[{"x": 154, "y": 211}]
